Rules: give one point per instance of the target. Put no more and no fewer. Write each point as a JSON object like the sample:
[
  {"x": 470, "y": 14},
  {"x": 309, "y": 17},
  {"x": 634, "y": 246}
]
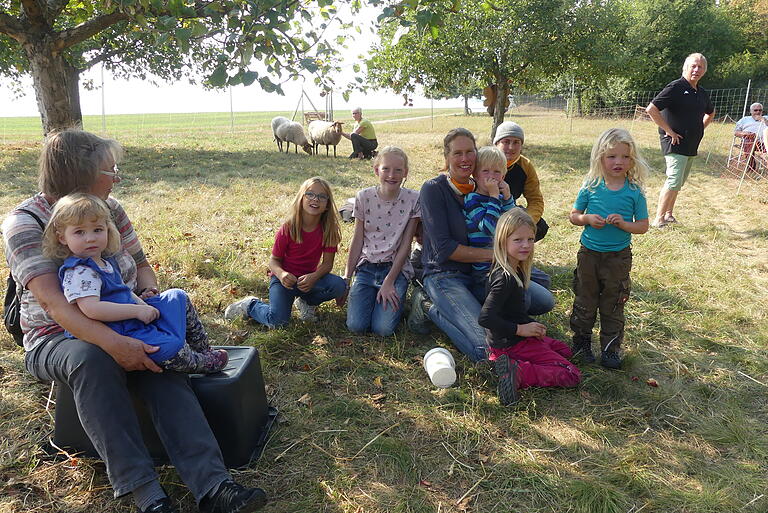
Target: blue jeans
[
  {"x": 456, "y": 302},
  {"x": 278, "y": 311},
  {"x": 364, "y": 313}
]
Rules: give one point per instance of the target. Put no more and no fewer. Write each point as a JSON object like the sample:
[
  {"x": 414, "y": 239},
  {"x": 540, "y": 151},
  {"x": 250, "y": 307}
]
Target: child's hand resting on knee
[{"x": 532, "y": 329}]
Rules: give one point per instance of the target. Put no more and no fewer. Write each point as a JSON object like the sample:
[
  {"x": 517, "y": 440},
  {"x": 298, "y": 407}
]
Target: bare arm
[
  {"x": 708, "y": 118},
  {"x": 355, "y": 249},
  {"x": 579, "y": 218},
  {"x": 129, "y": 353},
  {"x": 470, "y": 255},
  {"x": 106, "y": 311},
  {"x": 287, "y": 279},
  {"x": 307, "y": 281},
  {"x": 637, "y": 227},
  {"x": 657, "y": 118}
]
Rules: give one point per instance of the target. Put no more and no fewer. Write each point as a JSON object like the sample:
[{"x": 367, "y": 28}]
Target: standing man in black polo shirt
[{"x": 681, "y": 110}]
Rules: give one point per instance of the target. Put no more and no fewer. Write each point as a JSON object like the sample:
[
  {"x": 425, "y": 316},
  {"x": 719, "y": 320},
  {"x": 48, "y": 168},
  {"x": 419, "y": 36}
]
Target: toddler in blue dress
[{"x": 81, "y": 231}]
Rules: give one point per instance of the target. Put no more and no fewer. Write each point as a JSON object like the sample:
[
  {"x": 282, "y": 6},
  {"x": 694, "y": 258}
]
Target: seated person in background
[
  {"x": 521, "y": 175},
  {"x": 484, "y": 206},
  {"x": 363, "y": 136},
  {"x": 753, "y": 134}
]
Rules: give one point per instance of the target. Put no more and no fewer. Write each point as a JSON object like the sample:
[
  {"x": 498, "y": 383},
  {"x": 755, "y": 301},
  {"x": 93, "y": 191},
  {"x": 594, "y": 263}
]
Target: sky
[{"x": 136, "y": 96}]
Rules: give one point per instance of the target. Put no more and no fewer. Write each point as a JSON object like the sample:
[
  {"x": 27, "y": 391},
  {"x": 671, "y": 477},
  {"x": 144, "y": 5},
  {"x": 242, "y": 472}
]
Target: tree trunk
[
  {"x": 466, "y": 105},
  {"x": 502, "y": 94},
  {"x": 56, "y": 85}
]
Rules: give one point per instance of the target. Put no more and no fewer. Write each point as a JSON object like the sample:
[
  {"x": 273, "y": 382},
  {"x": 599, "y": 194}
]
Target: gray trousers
[{"x": 101, "y": 392}]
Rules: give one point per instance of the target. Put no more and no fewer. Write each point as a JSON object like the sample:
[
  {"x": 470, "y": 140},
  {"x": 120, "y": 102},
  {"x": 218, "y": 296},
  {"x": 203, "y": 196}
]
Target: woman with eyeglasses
[
  {"x": 301, "y": 262},
  {"x": 99, "y": 365}
]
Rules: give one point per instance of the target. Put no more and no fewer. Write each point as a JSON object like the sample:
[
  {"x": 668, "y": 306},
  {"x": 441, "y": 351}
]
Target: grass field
[{"x": 361, "y": 428}]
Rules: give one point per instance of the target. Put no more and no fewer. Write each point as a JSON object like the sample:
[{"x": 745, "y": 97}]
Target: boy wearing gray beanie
[{"x": 521, "y": 175}]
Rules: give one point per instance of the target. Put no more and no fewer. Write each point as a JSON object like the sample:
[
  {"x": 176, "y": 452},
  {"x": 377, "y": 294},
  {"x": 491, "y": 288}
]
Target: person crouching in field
[
  {"x": 523, "y": 356},
  {"x": 611, "y": 206},
  {"x": 385, "y": 220},
  {"x": 301, "y": 261}
]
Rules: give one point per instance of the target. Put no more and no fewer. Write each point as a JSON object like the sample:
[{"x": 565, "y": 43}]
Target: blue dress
[{"x": 167, "y": 332}]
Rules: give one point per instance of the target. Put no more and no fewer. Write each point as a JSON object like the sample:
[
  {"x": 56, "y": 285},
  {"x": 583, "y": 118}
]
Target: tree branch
[
  {"x": 101, "y": 58},
  {"x": 11, "y": 27},
  {"x": 74, "y": 35},
  {"x": 33, "y": 11},
  {"x": 54, "y": 8}
]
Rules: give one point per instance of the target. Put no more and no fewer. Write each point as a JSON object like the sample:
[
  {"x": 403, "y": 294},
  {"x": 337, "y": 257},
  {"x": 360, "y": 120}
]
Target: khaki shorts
[{"x": 678, "y": 169}]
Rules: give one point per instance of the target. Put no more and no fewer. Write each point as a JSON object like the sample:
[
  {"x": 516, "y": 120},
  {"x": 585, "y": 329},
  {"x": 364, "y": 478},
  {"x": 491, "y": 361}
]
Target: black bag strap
[{"x": 42, "y": 227}]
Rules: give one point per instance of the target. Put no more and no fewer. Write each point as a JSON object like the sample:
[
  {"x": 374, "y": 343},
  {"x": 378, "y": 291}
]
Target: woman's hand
[
  {"x": 531, "y": 329},
  {"x": 306, "y": 282},
  {"x": 287, "y": 280},
  {"x": 388, "y": 295},
  {"x": 131, "y": 354},
  {"x": 146, "y": 313}
]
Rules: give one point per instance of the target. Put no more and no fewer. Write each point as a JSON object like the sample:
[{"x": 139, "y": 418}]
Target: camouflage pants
[{"x": 601, "y": 283}]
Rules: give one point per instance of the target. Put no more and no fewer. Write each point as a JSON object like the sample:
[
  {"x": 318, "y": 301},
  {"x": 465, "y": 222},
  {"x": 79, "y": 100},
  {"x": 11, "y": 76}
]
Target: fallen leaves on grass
[
  {"x": 652, "y": 383},
  {"x": 319, "y": 340},
  {"x": 305, "y": 399},
  {"x": 377, "y": 382}
]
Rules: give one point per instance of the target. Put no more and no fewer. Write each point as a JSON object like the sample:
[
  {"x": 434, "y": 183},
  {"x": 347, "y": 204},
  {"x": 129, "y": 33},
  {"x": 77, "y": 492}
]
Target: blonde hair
[
  {"x": 508, "y": 223},
  {"x": 391, "y": 150},
  {"x": 329, "y": 219},
  {"x": 490, "y": 157},
  {"x": 71, "y": 210},
  {"x": 71, "y": 159},
  {"x": 637, "y": 173}
]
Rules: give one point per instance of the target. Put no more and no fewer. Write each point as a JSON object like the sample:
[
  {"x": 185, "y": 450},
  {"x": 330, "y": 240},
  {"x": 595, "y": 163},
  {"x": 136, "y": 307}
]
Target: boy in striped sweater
[{"x": 490, "y": 199}]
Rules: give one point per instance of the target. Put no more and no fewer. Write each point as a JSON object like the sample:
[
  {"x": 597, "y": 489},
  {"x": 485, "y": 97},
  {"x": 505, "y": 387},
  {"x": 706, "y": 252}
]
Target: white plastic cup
[{"x": 440, "y": 366}]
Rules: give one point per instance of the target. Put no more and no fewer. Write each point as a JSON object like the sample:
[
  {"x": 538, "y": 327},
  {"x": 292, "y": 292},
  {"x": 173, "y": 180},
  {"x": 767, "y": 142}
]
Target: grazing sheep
[
  {"x": 276, "y": 122},
  {"x": 293, "y": 132},
  {"x": 325, "y": 132}
]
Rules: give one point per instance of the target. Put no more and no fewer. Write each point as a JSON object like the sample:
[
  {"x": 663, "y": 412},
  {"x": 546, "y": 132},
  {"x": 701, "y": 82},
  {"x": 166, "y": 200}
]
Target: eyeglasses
[
  {"x": 758, "y": 110},
  {"x": 314, "y": 196},
  {"x": 114, "y": 173}
]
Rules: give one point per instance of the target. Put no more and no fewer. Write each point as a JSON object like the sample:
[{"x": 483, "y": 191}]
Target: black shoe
[
  {"x": 610, "y": 360},
  {"x": 164, "y": 505},
  {"x": 418, "y": 320},
  {"x": 506, "y": 370},
  {"x": 234, "y": 498},
  {"x": 582, "y": 347}
]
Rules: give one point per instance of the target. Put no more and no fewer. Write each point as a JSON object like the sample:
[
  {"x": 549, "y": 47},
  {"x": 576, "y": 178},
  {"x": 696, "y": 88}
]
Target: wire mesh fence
[{"x": 725, "y": 154}]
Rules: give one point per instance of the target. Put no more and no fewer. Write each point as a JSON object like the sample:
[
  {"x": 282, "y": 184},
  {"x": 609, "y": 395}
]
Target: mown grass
[{"x": 373, "y": 435}]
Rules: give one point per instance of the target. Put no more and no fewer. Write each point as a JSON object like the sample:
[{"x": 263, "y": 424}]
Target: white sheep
[
  {"x": 293, "y": 132},
  {"x": 276, "y": 122},
  {"x": 325, "y": 132}
]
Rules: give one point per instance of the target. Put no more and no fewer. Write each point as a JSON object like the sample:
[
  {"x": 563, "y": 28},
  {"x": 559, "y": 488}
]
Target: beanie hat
[{"x": 509, "y": 129}]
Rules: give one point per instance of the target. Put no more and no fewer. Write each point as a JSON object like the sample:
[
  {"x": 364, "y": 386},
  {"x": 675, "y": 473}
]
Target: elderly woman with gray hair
[{"x": 101, "y": 366}]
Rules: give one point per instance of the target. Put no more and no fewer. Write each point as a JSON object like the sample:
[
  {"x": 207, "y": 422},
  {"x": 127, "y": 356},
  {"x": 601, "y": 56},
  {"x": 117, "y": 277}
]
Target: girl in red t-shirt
[{"x": 301, "y": 261}]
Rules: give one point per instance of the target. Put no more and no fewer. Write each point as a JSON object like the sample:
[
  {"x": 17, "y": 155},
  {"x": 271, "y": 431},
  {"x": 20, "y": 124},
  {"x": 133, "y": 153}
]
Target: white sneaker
[
  {"x": 239, "y": 309},
  {"x": 307, "y": 312}
]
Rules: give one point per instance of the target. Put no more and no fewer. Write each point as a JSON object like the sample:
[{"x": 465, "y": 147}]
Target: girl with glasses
[{"x": 301, "y": 261}]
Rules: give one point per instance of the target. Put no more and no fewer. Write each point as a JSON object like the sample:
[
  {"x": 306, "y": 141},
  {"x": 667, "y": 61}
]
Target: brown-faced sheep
[{"x": 325, "y": 132}]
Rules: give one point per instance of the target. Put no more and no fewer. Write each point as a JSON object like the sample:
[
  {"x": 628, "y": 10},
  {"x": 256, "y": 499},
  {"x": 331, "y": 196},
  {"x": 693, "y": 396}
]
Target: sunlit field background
[{"x": 361, "y": 428}]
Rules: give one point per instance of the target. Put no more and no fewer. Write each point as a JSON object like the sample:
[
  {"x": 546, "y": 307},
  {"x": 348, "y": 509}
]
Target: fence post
[{"x": 746, "y": 99}]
